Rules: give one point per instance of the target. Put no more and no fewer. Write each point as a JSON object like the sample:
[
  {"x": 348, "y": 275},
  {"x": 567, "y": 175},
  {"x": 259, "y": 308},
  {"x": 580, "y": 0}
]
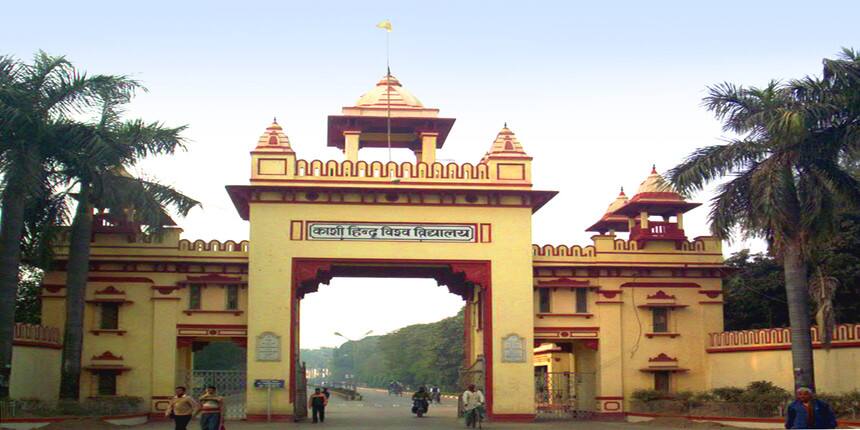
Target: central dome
[{"x": 400, "y": 98}]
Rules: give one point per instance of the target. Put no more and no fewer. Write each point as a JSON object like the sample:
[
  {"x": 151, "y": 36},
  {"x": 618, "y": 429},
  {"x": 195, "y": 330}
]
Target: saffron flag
[{"x": 385, "y": 25}]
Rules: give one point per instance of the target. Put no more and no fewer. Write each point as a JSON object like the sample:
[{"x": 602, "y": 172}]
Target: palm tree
[
  {"x": 35, "y": 99},
  {"x": 788, "y": 175},
  {"x": 95, "y": 163}
]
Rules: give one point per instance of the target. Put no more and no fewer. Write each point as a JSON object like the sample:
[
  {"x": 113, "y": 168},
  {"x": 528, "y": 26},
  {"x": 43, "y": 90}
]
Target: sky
[{"x": 596, "y": 92}]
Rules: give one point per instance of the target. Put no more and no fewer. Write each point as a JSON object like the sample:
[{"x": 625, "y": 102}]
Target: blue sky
[{"x": 596, "y": 91}]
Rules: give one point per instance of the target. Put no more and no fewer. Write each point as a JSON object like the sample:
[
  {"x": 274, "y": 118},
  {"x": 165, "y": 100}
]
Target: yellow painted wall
[
  {"x": 836, "y": 371},
  {"x": 36, "y": 373},
  {"x": 270, "y": 272}
]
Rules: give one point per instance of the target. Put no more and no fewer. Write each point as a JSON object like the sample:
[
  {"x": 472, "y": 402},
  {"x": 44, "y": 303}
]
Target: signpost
[{"x": 268, "y": 384}]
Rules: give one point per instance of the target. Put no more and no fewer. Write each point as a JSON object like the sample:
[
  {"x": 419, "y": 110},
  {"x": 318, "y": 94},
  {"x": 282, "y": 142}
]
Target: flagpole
[{"x": 388, "y": 89}]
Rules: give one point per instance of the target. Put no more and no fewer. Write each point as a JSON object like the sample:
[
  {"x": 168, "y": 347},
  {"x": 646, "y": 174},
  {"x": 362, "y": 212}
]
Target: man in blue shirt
[{"x": 806, "y": 412}]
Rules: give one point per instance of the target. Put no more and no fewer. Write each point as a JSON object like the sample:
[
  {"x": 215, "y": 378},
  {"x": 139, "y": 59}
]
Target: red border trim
[
  {"x": 513, "y": 418},
  {"x": 714, "y": 350},
  {"x": 660, "y": 285},
  {"x": 718, "y": 418},
  {"x": 477, "y": 271},
  {"x": 36, "y": 344}
]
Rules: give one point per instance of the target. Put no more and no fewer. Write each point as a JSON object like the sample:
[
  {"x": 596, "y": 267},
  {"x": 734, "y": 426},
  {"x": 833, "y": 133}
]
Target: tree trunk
[
  {"x": 797, "y": 293},
  {"x": 11, "y": 230},
  {"x": 76, "y": 285}
]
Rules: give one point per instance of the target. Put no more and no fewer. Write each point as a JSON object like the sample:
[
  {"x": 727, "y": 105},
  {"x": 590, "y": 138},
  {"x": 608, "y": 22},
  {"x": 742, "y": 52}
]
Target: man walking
[
  {"x": 807, "y": 412},
  {"x": 318, "y": 401},
  {"x": 473, "y": 406},
  {"x": 181, "y": 409},
  {"x": 212, "y": 409}
]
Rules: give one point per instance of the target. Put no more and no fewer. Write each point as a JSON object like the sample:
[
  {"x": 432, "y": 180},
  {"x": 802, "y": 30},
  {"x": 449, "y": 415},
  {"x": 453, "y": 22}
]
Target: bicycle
[{"x": 475, "y": 417}]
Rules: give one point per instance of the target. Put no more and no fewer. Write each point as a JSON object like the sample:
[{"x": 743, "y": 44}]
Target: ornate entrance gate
[
  {"x": 563, "y": 395},
  {"x": 230, "y": 385}
]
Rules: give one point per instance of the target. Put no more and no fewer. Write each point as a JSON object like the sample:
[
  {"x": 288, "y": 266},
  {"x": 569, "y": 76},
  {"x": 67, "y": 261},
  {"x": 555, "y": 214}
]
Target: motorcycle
[{"x": 420, "y": 407}]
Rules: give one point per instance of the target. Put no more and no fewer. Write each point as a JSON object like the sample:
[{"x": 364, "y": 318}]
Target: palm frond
[{"x": 711, "y": 162}]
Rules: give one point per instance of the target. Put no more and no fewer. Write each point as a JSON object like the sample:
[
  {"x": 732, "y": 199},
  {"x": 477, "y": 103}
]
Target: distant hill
[{"x": 420, "y": 354}]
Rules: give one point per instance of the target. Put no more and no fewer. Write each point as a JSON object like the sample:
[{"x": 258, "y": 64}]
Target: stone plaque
[
  {"x": 513, "y": 349},
  {"x": 268, "y": 347}
]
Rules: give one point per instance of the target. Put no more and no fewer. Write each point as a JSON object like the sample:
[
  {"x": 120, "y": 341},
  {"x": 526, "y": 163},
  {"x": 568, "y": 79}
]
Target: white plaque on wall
[
  {"x": 268, "y": 347},
  {"x": 513, "y": 349}
]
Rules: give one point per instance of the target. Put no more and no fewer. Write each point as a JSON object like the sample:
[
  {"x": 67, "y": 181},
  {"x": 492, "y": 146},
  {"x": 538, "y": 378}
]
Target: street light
[{"x": 337, "y": 333}]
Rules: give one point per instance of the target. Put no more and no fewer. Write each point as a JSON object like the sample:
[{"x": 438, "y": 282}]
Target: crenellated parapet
[
  {"x": 347, "y": 169},
  {"x": 213, "y": 246},
  {"x": 608, "y": 247},
  {"x": 844, "y": 335}
]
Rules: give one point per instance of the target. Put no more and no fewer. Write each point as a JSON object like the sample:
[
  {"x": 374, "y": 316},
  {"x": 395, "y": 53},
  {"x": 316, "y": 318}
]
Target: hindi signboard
[
  {"x": 268, "y": 347},
  {"x": 269, "y": 383},
  {"x": 391, "y": 232},
  {"x": 513, "y": 349}
]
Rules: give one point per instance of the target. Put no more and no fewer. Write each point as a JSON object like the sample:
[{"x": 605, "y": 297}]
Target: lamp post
[{"x": 337, "y": 333}]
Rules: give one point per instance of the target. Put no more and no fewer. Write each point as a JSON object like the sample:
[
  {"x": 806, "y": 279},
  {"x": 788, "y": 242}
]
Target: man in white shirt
[{"x": 473, "y": 405}]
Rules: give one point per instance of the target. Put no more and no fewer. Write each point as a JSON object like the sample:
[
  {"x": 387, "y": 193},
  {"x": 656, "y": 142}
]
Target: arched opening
[{"x": 403, "y": 287}]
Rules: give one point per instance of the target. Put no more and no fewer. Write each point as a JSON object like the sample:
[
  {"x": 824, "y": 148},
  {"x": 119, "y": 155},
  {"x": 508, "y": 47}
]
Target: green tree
[
  {"x": 788, "y": 178},
  {"x": 34, "y": 100},
  {"x": 419, "y": 354},
  {"x": 95, "y": 162},
  {"x": 28, "y": 305}
]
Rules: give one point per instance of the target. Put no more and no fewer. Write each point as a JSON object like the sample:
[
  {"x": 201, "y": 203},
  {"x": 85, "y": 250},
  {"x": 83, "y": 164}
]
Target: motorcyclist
[{"x": 421, "y": 398}]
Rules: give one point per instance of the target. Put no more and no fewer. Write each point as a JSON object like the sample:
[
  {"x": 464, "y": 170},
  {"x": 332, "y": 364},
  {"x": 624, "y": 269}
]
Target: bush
[
  {"x": 759, "y": 399},
  {"x": 846, "y": 405},
  {"x": 763, "y": 399},
  {"x": 647, "y": 395},
  {"x": 728, "y": 394}
]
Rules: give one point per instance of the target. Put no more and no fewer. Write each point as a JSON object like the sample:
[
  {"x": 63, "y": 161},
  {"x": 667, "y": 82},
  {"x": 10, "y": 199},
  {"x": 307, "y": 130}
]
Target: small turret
[
  {"x": 273, "y": 157},
  {"x": 507, "y": 159},
  {"x": 610, "y": 221},
  {"x": 656, "y": 196}
]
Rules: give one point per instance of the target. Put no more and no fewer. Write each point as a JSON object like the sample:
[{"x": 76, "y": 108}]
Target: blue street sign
[{"x": 268, "y": 383}]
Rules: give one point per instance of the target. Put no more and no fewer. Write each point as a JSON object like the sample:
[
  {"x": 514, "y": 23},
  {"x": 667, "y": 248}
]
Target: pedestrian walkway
[{"x": 380, "y": 411}]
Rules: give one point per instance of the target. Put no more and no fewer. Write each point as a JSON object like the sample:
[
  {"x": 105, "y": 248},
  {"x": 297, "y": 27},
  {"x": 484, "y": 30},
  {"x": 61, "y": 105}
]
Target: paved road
[{"x": 380, "y": 411}]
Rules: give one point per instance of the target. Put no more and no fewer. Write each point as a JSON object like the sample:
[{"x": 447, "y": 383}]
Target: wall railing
[
  {"x": 36, "y": 334},
  {"x": 844, "y": 335}
]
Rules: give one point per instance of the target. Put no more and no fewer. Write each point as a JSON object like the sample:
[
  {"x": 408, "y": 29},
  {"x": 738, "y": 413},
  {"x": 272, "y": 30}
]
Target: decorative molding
[
  {"x": 660, "y": 295},
  {"x": 662, "y": 357},
  {"x": 660, "y": 285},
  {"x": 671, "y": 335},
  {"x": 712, "y": 294},
  {"x": 575, "y": 315},
  {"x": 111, "y": 290},
  {"x": 213, "y": 278},
  {"x": 609, "y": 294},
  {"x": 235, "y": 312},
  {"x": 107, "y": 355},
  {"x": 100, "y": 331}
]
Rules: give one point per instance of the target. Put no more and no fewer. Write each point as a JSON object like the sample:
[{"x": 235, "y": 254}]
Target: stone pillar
[
  {"x": 609, "y": 399},
  {"x": 680, "y": 218},
  {"x": 428, "y": 147},
  {"x": 350, "y": 144},
  {"x": 165, "y": 310},
  {"x": 643, "y": 220},
  {"x": 270, "y": 302}
]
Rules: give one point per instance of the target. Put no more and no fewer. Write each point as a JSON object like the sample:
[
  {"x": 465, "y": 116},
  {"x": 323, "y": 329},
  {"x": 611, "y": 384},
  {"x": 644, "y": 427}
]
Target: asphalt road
[{"x": 379, "y": 411}]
